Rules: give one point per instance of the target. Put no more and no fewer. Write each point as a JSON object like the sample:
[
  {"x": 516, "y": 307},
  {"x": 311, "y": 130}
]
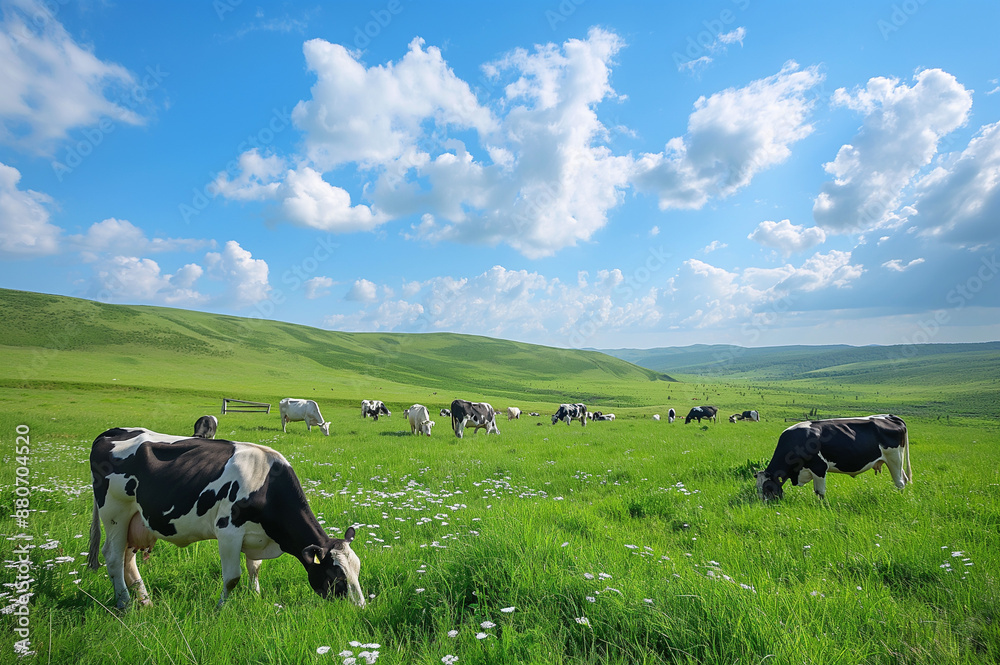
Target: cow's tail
[{"x": 95, "y": 539}]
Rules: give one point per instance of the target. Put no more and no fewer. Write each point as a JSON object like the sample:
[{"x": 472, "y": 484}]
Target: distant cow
[
  {"x": 656, "y": 416},
  {"x": 700, "y": 412},
  {"x": 513, "y": 413},
  {"x": 295, "y": 410},
  {"x": 752, "y": 416},
  {"x": 420, "y": 421},
  {"x": 446, "y": 413},
  {"x": 811, "y": 449},
  {"x": 150, "y": 486},
  {"x": 535, "y": 414},
  {"x": 480, "y": 414},
  {"x": 604, "y": 416},
  {"x": 571, "y": 412},
  {"x": 671, "y": 415},
  {"x": 374, "y": 408},
  {"x": 204, "y": 427}
]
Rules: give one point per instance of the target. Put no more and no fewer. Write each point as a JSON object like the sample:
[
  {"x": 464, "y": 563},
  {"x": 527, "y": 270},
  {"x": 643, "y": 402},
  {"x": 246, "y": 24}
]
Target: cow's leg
[
  {"x": 253, "y": 574},
  {"x": 894, "y": 460},
  {"x": 819, "y": 485},
  {"x": 459, "y": 428},
  {"x": 132, "y": 578},
  {"x": 230, "y": 546},
  {"x": 115, "y": 541},
  {"x": 284, "y": 421}
]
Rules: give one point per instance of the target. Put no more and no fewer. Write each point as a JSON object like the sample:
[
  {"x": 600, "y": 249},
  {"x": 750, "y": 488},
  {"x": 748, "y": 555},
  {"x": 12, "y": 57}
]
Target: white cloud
[
  {"x": 732, "y": 135},
  {"x": 317, "y": 287},
  {"x": 363, "y": 291},
  {"x": 718, "y": 45},
  {"x": 713, "y": 246},
  {"x": 959, "y": 201},
  {"x": 309, "y": 200},
  {"x": 902, "y": 128},
  {"x": 373, "y": 115},
  {"x": 129, "y": 278},
  {"x": 245, "y": 276},
  {"x": 24, "y": 218},
  {"x": 787, "y": 237},
  {"x": 898, "y": 266},
  {"x": 121, "y": 237},
  {"x": 50, "y": 83},
  {"x": 655, "y": 231},
  {"x": 257, "y": 179}
]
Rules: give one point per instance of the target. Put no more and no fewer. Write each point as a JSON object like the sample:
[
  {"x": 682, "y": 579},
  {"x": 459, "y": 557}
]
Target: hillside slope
[{"x": 45, "y": 338}]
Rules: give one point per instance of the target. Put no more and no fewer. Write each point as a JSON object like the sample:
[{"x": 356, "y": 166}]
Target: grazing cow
[
  {"x": 445, "y": 413},
  {"x": 671, "y": 415},
  {"x": 656, "y": 417},
  {"x": 534, "y": 413},
  {"x": 374, "y": 408},
  {"x": 699, "y": 412},
  {"x": 293, "y": 410},
  {"x": 150, "y": 486},
  {"x": 204, "y": 427},
  {"x": 571, "y": 412},
  {"x": 420, "y": 420},
  {"x": 604, "y": 416},
  {"x": 752, "y": 416},
  {"x": 811, "y": 449},
  {"x": 513, "y": 413},
  {"x": 480, "y": 414}
]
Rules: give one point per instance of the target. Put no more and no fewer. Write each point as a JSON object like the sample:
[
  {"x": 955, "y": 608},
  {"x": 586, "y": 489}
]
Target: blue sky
[{"x": 576, "y": 174}]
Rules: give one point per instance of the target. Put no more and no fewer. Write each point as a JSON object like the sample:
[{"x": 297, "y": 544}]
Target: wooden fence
[{"x": 242, "y": 406}]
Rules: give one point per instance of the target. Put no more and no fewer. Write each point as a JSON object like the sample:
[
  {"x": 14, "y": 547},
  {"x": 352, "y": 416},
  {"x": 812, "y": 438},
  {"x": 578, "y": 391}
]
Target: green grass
[{"x": 651, "y": 531}]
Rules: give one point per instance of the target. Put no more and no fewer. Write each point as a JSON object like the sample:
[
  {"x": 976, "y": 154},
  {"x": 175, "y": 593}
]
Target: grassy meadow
[{"x": 633, "y": 541}]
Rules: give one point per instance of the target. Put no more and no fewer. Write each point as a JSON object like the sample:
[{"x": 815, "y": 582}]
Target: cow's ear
[
  {"x": 313, "y": 554},
  {"x": 349, "y": 534}
]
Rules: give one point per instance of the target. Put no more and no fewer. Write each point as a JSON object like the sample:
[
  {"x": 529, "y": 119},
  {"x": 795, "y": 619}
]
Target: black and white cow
[
  {"x": 150, "y": 486},
  {"x": 699, "y": 412},
  {"x": 811, "y": 449},
  {"x": 671, "y": 415},
  {"x": 479, "y": 414},
  {"x": 293, "y": 410},
  {"x": 569, "y": 413},
  {"x": 446, "y": 413},
  {"x": 204, "y": 427},
  {"x": 752, "y": 416},
  {"x": 374, "y": 408},
  {"x": 604, "y": 416}
]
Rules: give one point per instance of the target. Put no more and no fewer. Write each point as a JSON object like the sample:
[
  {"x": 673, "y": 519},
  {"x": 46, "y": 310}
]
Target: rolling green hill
[{"x": 47, "y": 339}]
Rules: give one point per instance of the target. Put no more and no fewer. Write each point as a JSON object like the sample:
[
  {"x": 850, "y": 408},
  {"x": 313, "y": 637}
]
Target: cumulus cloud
[
  {"x": 959, "y": 201},
  {"x": 902, "y": 128},
  {"x": 130, "y": 278},
  {"x": 317, "y": 287},
  {"x": 362, "y": 291},
  {"x": 257, "y": 179},
  {"x": 787, "y": 237},
  {"x": 732, "y": 135},
  {"x": 246, "y": 277},
  {"x": 371, "y": 115},
  {"x": 50, "y": 83},
  {"x": 119, "y": 236},
  {"x": 25, "y": 230},
  {"x": 309, "y": 200}
]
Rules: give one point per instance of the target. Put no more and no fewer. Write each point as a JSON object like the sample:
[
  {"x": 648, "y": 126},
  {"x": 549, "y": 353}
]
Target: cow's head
[
  {"x": 769, "y": 486},
  {"x": 334, "y": 569},
  {"x": 325, "y": 428}
]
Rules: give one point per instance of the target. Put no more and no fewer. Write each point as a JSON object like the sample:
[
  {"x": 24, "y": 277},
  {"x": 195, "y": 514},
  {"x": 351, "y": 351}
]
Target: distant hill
[
  {"x": 47, "y": 338},
  {"x": 932, "y": 363}
]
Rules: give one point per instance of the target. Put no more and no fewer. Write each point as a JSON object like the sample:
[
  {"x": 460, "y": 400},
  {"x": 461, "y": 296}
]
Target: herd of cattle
[{"x": 150, "y": 486}]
